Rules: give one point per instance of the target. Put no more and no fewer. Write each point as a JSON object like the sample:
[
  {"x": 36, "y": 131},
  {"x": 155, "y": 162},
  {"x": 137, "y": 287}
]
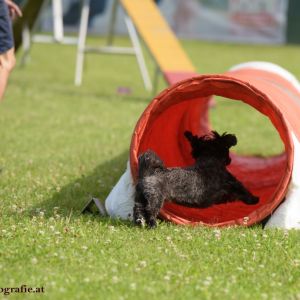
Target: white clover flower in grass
[
  {"x": 34, "y": 261},
  {"x": 207, "y": 281},
  {"x": 217, "y": 233},
  {"x": 132, "y": 286},
  {"x": 189, "y": 237},
  {"x": 115, "y": 279},
  {"x": 21, "y": 210},
  {"x": 143, "y": 263},
  {"x": 296, "y": 262},
  {"x": 84, "y": 248}
]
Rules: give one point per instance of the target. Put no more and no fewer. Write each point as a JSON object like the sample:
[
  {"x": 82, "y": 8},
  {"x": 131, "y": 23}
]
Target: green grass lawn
[{"x": 60, "y": 144}]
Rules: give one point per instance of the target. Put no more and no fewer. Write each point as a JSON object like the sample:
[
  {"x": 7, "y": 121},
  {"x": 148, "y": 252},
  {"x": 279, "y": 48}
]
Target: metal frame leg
[
  {"x": 58, "y": 26},
  {"x": 133, "y": 35},
  {"x": 27, "y": 37},
  {"x": 157, "y": 75},
  {"x": 112, "y": 22},
  {"x": 26, "y": 44},
  {"x": 139, "y": 53},
  {"x": 81, "y": 41}
]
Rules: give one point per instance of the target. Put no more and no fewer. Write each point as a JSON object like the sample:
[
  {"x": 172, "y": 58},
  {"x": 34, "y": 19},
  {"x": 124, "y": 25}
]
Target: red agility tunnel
[{"x": 184, "y": 106}]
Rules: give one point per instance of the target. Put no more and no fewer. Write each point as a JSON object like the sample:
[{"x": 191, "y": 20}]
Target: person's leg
[
  {"x": 7, "y": 63},
  {"x": 7, "y": 51}
]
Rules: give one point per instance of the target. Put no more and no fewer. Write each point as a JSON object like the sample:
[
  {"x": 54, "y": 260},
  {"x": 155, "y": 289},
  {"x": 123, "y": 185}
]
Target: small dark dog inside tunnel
[{"x": 205, "y": 183}]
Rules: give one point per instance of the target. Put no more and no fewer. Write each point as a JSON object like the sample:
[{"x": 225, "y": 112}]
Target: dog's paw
[
  {"x": 140, "y": 222},
  {"x": 152, "y": 223},
  {"x": 252, "y": 200}
]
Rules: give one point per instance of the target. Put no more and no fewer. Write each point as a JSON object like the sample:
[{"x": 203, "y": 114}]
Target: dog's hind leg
[
  {"x": 139, "y": 214},
  {"x": 154, "y": 204}
]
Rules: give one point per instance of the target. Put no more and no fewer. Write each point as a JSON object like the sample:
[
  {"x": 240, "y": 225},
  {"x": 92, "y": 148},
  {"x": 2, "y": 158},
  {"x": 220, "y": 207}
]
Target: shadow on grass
[{"x": 72, "y": 197}]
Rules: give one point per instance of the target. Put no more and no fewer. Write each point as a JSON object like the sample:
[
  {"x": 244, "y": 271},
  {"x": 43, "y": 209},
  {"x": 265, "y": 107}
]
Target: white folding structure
[
  {"x": 58, "y": 31},
  {"x": 83, "y": 48}
]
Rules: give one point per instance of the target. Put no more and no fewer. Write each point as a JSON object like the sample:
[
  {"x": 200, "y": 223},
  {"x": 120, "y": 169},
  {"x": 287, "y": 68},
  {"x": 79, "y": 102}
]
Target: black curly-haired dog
[{"x": 205, "y": 183}]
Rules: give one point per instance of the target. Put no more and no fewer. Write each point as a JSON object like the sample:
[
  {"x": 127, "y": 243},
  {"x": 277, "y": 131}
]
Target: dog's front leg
[{"x": 241, "y": 193}]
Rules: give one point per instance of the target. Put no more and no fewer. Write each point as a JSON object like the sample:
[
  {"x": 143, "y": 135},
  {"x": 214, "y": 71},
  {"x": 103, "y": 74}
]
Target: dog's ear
[
  {"x": 195, "y": 143},
  {"x": 228, "y": 140},
  {"x": 216, "y": 135},
  {"x": 190, "y": 137}
]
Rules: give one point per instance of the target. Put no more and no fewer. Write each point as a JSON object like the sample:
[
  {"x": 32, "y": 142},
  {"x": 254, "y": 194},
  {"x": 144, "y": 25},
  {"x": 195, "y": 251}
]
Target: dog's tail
[{"x": 149, "y": 163}]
